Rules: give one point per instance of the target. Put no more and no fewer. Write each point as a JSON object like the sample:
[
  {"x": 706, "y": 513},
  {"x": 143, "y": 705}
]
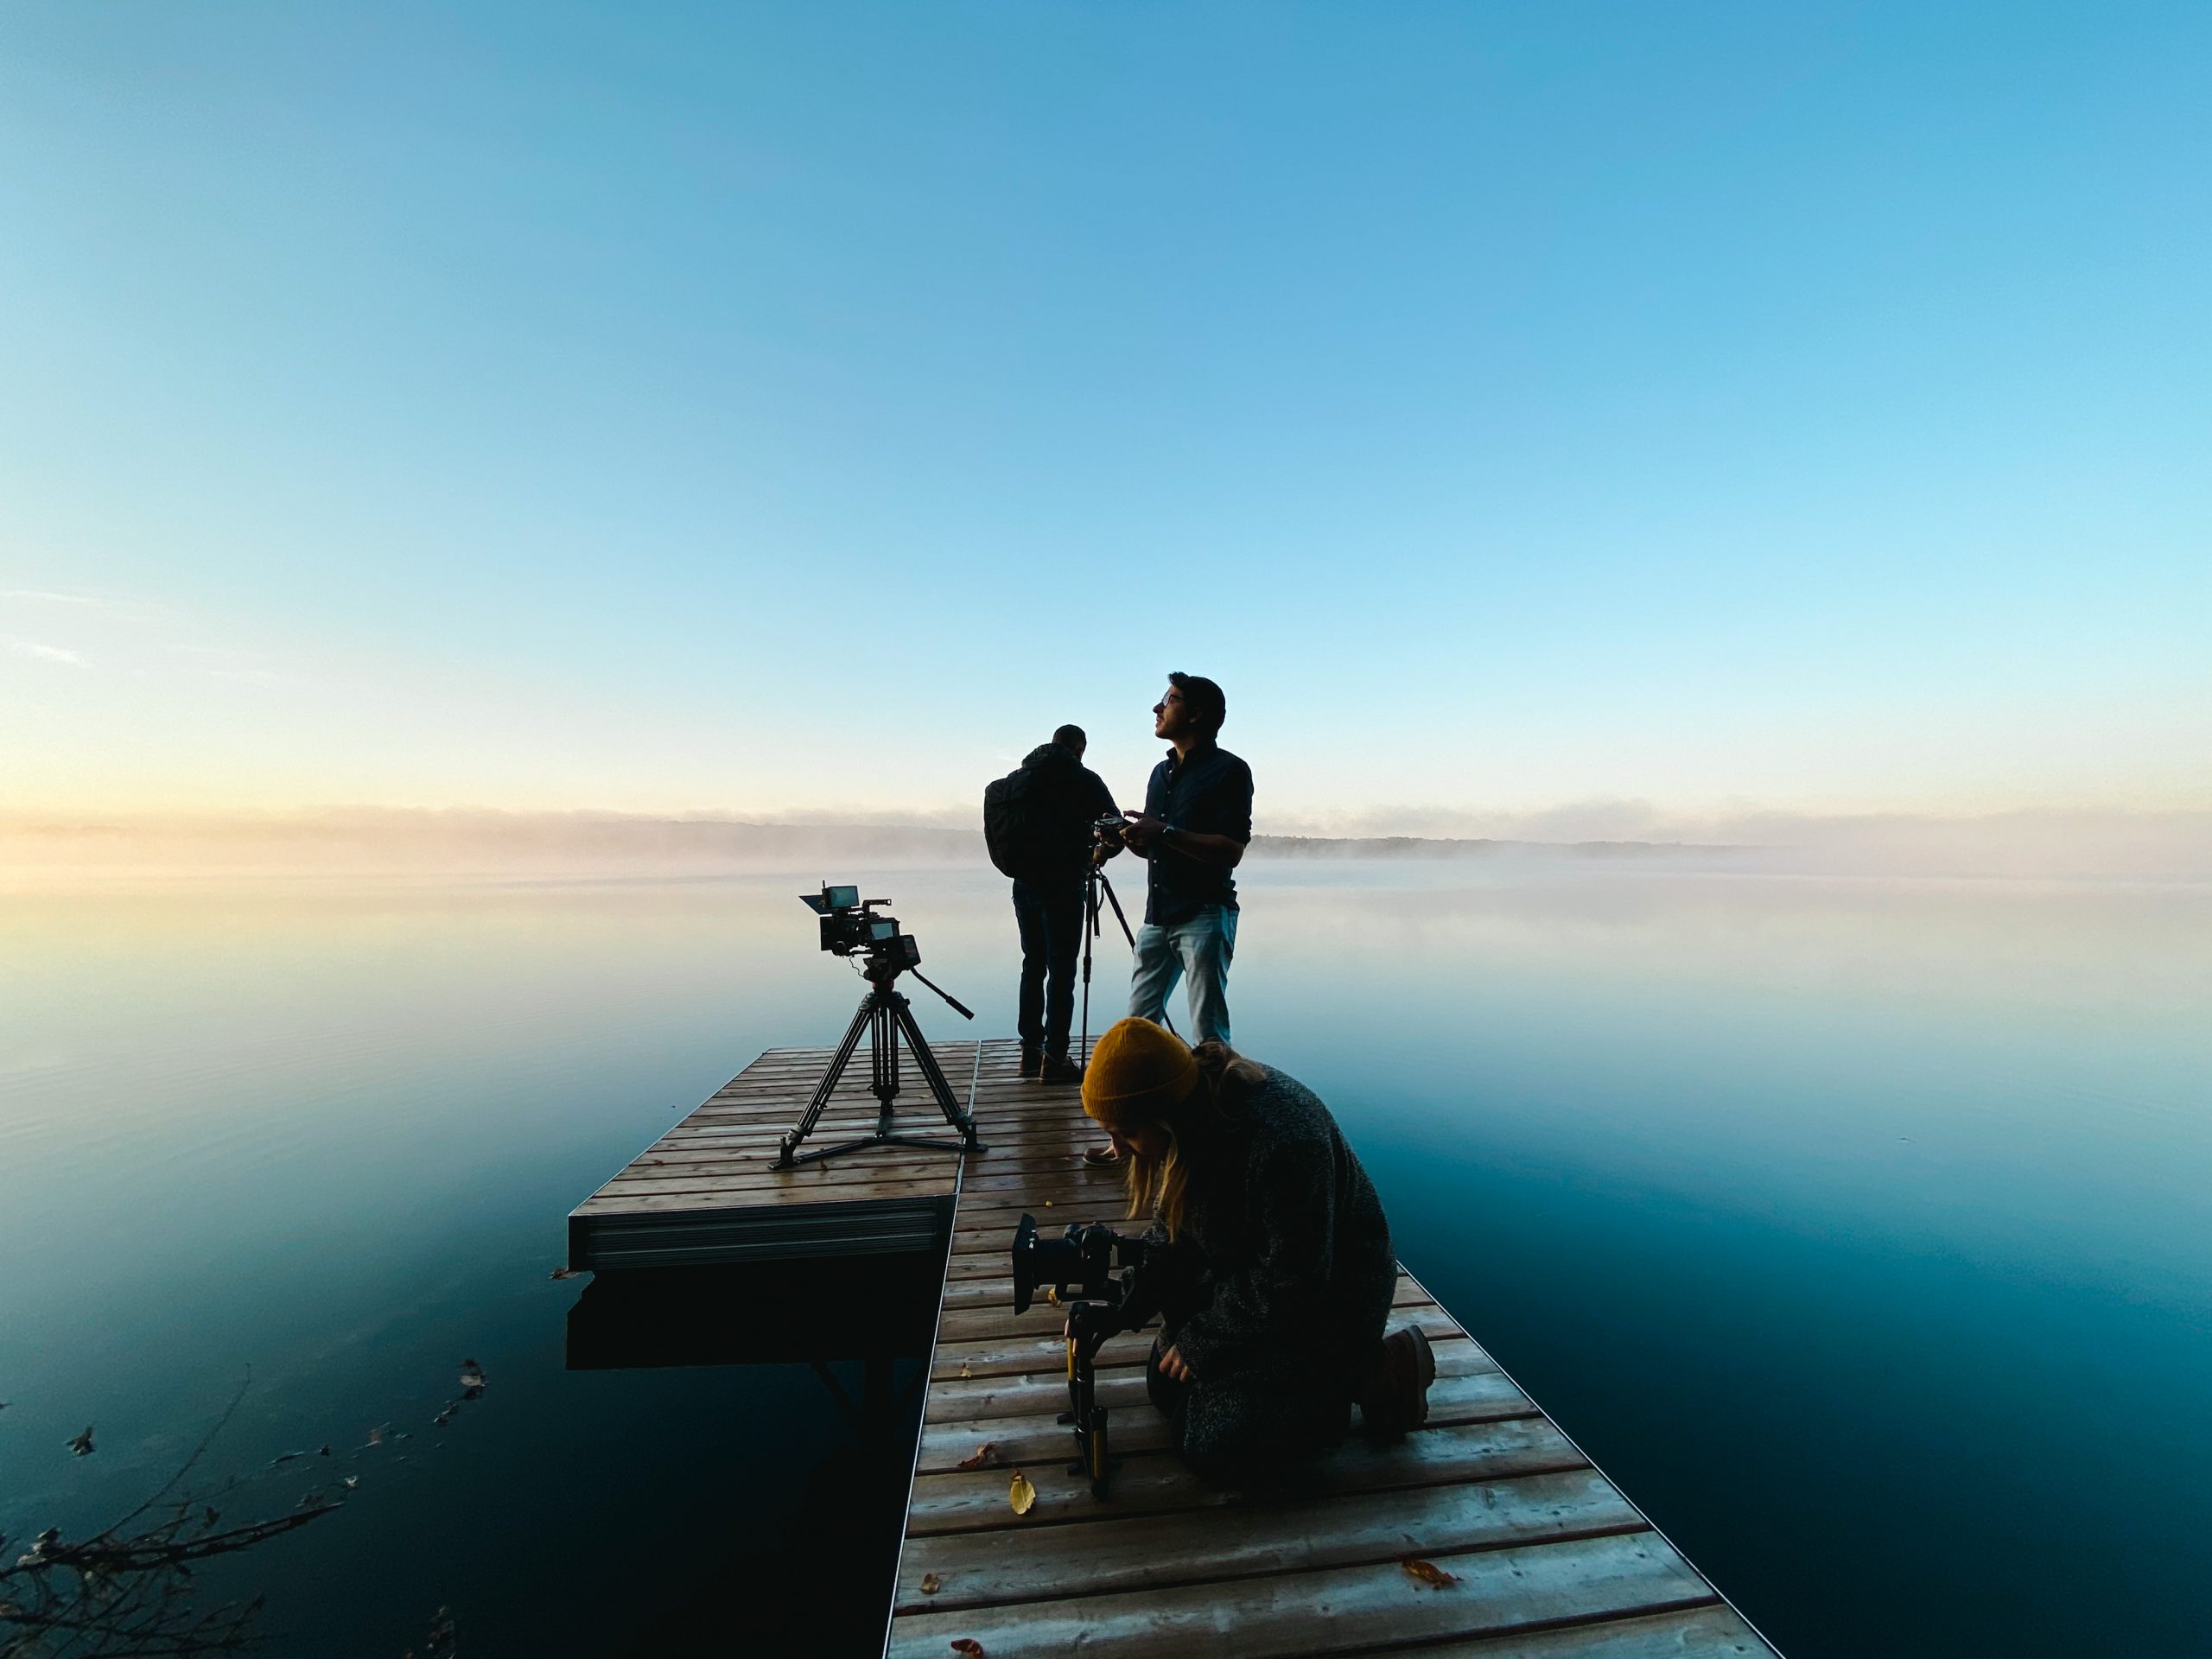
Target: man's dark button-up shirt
[{"x": 1209, "y": 794}]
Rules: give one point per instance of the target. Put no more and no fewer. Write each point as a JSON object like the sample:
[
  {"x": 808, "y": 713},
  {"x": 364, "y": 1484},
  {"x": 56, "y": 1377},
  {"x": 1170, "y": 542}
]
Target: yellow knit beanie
[{"x": 1139, "y": 1067}]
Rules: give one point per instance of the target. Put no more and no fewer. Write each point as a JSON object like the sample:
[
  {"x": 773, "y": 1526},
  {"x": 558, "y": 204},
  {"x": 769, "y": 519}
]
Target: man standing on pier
[
  {"x": 1196, "y": 824},
  {"x": 1037, "y": 823}
]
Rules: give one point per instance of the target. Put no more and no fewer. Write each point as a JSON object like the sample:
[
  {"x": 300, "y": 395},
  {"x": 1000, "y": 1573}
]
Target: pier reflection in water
[{"x": 862, "y": 1327}]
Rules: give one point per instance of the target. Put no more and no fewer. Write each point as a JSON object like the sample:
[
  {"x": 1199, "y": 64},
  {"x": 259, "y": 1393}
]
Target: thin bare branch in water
[{"x": 127, "y": 1591}]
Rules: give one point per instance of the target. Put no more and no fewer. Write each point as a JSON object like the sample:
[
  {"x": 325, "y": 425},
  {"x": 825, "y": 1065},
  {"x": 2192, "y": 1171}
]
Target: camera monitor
[{"x": 831, "y": 899}]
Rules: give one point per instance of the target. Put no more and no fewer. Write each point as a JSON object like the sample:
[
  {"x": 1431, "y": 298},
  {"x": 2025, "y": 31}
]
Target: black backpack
[{"x": 1015, "y": 824}]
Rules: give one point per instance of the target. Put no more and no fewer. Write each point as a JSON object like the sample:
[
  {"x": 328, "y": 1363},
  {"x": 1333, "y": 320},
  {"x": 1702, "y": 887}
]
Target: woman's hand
[{"x": 1172, "y": 1365}]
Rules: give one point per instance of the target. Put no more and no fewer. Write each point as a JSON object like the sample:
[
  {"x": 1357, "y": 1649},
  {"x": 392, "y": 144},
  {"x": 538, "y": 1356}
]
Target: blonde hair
[{"x": 1158, "y": 1187}]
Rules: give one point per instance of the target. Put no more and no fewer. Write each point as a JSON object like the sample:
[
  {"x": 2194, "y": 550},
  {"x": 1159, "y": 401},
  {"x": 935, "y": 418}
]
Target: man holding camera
[
  {"x": 1196, "y": 824},
  {"x": 1038, "y": 823}
]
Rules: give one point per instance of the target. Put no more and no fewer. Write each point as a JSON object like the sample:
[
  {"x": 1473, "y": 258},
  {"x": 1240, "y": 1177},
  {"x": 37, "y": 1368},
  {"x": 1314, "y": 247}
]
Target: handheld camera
[{"x": 1104, "y": 1272}]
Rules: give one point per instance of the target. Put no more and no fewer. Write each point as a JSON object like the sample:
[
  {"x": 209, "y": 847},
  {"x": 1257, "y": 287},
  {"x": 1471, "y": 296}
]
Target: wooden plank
[
  {"x": 978, "y": 1502},
  {"x": 1717, "y": 1631},
  {"x": 1334, "y": 1610},
  {"x": 1016, "y": 1394},
  {"x": 1013, "y": 1355},
  {"x": 1019, "y": 1442},
  {"x": 974, "y": 1569}
]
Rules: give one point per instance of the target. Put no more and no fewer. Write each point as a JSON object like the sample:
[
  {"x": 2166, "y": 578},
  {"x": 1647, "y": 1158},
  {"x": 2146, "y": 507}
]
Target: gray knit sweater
[{"x": 1284, "y": 1247}]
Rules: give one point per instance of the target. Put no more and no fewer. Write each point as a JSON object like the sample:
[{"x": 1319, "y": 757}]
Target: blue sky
[{"x": 752, "y": 408}]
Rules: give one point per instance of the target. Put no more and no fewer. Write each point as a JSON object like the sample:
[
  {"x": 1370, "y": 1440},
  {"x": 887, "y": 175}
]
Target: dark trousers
[
  {"x": 1255, "y": 1429},
  {"x": 1050, "y": 915}
]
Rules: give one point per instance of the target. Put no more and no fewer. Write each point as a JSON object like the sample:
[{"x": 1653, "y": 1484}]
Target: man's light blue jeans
[{"x": 1201, "y": 947}]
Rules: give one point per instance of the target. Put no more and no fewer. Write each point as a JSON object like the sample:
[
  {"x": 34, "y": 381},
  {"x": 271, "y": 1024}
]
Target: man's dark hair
[
  {"x": 1072, "y": 736},
  {"x": 1203, "y": 698}
]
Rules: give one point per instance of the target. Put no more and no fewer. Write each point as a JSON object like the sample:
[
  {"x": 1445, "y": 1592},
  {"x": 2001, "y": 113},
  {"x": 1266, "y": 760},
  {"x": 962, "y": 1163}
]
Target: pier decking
[
  {"x": 1549, "y": 1558},
  {"x": 705, "y": 1193},
  {"x": 1545, "y": 1558}
]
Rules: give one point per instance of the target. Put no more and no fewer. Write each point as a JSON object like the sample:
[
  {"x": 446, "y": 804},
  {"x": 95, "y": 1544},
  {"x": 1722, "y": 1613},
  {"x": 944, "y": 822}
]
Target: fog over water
[{"x": 1858, "y": 1226}]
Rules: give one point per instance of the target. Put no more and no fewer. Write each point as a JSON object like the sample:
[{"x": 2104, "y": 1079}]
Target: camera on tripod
[
  {"x": 1106, "y": 829},
  {"x": 851, "y": 927},
  {"x": 1104, "y": 1274}
]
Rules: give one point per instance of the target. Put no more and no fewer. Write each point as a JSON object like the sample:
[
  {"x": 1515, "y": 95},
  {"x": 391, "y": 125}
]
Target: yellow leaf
[
  {"x": 931, "y": 1584},
  {"x": 964, "y": 1368},
  {"x": 1020, "y": 1493},
  {"x": 1427, "y": 1573}
]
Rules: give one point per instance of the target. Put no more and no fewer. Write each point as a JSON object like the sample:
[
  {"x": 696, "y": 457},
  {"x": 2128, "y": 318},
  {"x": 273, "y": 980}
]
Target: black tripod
[
  {"x": 883, "y": 1014},
  {"x": 1095, "y": 883}
]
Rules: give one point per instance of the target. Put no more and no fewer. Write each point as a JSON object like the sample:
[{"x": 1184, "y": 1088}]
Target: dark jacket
[
  {"x": 1284, "y": 1249},
  {"x": 1069, "y": 797}
]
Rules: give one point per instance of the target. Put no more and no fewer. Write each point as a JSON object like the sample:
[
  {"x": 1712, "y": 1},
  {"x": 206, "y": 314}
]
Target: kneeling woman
[{"x": 1270, "y": 1250}]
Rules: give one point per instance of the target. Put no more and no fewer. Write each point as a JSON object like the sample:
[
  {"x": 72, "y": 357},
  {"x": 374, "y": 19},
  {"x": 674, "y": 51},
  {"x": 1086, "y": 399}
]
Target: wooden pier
[
  {"x": 1547, "y": 1557},
  {"x": 706, "y": 1193},
  {"x": 1537, "y": 1554}
]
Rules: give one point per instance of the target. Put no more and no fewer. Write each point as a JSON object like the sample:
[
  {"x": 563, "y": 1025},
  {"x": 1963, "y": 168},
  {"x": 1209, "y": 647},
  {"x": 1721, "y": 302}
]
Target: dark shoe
[
  {"x": 1057, "y": 1068},
  {"x": 1101, "y": 1157},
  {"x": 1392, "y": 1392},
  {"x": 1032, "y": 1060}
]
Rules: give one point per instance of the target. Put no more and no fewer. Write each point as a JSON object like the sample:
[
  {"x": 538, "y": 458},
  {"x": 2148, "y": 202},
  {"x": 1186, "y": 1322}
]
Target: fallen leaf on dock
[
  {"x": 82, "y": 1444},
  {"x": 969, "y": 1645},
  {"x": 1020, "y": 1493},
  {"x": 931, "y": 1584},
  {"x": 964, "y": 1368},
  {"x": 982, "y": 1457},
  {"x": 1427, "y": 1573}
]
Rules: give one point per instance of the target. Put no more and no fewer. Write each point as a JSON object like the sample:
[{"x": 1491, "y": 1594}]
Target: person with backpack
[{"x": 1037, "y": 826}]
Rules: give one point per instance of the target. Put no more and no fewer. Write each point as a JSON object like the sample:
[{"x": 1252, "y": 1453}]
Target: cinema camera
[
  {"x": 851, "y": 927},
  {"x": 1104, "y": 1273}
]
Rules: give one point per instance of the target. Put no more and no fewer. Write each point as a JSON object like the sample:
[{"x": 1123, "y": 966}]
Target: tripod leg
[
  {"x": 1089, "y": 932},
  {"x": 933, "y": 1074},
  {"x": 863, "y": 1019},
  {"x": 884, "y": 1034}
]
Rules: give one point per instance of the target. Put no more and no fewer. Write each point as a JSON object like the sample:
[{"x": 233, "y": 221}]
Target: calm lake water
[{"x": 1861, "y": 1230}]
